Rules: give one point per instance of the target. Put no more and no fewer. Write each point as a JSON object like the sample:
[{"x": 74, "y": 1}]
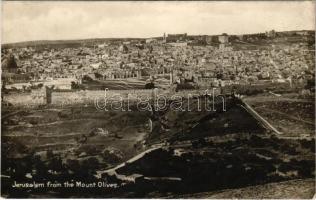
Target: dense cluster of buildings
[{"x": 180, "y": 58}]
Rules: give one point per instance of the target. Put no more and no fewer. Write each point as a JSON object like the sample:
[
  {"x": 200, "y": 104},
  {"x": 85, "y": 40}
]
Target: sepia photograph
[{"x": 158, "y": 99}]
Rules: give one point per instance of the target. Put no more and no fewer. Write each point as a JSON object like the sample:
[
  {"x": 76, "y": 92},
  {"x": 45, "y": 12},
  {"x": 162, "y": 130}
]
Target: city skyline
[{"x": 31, "y": 21}]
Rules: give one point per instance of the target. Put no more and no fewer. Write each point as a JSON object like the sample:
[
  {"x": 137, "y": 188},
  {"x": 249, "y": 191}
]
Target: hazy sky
[{"x": 24, "y": 21}]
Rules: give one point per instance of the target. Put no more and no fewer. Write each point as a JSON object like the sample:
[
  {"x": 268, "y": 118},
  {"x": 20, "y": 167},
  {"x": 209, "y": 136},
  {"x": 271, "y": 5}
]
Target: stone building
[{"x": 223, "y": 38}]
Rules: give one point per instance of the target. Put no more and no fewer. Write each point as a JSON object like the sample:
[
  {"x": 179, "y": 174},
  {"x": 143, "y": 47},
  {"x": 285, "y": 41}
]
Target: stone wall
[{"x": 58, "y": 98}]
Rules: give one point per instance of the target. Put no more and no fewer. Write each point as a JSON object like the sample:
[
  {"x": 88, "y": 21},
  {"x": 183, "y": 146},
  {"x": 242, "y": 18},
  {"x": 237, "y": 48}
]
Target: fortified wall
[{"x": 48, "y": 96}]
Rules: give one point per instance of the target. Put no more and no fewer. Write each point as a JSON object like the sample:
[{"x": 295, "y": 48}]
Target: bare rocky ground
[
  {"x": 293, "y": 189},
  {"x": 291, "y": 114}
]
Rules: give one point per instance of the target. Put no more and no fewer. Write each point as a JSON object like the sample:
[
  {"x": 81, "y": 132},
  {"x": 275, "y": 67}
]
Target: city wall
[{"x": 88, "y": 97}]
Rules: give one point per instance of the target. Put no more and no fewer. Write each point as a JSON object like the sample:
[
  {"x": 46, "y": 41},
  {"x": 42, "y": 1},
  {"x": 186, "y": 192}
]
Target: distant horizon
[
  {"x": 121, "y": 38},
  {"x": 29, "y": 21}
]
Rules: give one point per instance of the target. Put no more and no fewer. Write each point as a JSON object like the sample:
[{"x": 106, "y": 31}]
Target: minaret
[{"x": 139, "y": 74}]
